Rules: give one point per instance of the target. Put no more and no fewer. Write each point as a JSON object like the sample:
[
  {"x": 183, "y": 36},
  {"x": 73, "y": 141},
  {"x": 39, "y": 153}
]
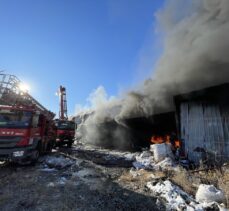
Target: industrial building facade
[
  {"x": 203, "y": 122},
  {"x": 200, "y": 120}
]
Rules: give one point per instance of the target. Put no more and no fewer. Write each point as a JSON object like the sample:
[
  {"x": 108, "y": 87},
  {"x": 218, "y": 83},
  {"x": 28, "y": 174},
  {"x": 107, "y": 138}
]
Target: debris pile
[
  {"x": 160, "y": 157},
  {"x": 177, "y": 199},
  {"x": 144, "y": 161}
]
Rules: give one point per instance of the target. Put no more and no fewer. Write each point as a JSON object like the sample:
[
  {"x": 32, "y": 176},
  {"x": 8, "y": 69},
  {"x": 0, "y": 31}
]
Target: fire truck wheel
[
  {"x": 32, "y": 160},
  {"x": 49, "y": 147},
  {"x": 36, "y": 154}
]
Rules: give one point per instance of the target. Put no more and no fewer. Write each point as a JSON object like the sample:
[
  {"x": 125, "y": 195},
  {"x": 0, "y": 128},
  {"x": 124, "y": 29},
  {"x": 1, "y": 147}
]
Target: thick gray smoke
[{"x": 196, "y": 55}]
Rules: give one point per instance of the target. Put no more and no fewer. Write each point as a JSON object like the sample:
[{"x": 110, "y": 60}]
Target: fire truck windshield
[
  {"x": 15, "y": 119},
  {"x": 65, "y": 125}
]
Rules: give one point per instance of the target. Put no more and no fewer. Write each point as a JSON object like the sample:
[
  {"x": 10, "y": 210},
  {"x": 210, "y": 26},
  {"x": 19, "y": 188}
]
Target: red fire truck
[
  {"x": 27, "y": 128},
  {"x": 65, "y": 132},
  {"x": 65, "y": 127}
]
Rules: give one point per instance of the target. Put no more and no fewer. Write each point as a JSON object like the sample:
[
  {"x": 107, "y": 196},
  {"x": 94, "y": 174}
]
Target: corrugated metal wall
[{"x": 205, "y": 126}]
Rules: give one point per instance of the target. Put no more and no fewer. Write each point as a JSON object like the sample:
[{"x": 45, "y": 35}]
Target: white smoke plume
[
  {"x": 100, "y": 109},
  {"x": 195, "y": 55},
  {"x": 104, "y": 105}
]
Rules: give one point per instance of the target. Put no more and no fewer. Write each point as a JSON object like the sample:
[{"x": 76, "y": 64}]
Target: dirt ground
[{"x": 91, "y": 180}]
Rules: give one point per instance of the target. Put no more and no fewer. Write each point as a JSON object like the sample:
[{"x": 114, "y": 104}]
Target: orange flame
[
  {"x": 160, "y": 139},
  {"x": 164, "y": 139}
]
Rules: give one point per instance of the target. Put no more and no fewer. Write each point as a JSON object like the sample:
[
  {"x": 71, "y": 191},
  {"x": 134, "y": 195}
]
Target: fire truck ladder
[
  {"x": 63, "y": 113},
  {"x": 12, "y": 95}
]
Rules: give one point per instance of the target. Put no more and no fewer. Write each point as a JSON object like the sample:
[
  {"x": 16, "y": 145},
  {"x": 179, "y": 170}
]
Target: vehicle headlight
[{"x": 18, "y": 153}]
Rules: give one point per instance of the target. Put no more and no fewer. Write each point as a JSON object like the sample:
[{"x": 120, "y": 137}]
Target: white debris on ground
[
  {"x": 207, "y": 196},
  {"x": 126, "y": 155},
  {"x": 47, "y": 169},
  {"x": 51, "y": 184},
  {"x": 177, "y": 199},
  {"x": 159, "y": 157},
  {"x": 144, "y": 161},
  {"x": 161, "y": 151},
  {"x": 120, "y": 155},
  {"x": 174, "y": 196},
  {"x": 167, "y": 164},
  {"x": 208, "y": 193},
  {"x": 129, "y": 156},
  {"x": 58, "y": 162}
]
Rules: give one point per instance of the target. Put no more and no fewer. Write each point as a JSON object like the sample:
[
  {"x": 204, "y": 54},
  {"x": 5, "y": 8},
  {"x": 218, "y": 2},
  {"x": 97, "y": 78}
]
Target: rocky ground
[
  {"x": 74, "y": 179},
  {"x": 89, "y": 178}
]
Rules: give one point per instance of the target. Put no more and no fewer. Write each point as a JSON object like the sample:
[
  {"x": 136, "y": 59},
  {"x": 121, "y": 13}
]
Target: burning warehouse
[
  {"x": 130, "y": 133},
  {"x": 203, "y": 122},
  {"x": 200, "y": 120}
]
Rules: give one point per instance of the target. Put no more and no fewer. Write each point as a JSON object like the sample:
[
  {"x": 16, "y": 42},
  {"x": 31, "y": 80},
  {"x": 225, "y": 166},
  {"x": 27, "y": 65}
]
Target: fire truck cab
[
  {"x": 65, "y": 132},
  {"x": 27, "y": 129},
  {"x": 24, "y": 134}
]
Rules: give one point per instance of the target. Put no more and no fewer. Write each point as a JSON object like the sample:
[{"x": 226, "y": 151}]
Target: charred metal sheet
[{"x": 204, "y": 123}]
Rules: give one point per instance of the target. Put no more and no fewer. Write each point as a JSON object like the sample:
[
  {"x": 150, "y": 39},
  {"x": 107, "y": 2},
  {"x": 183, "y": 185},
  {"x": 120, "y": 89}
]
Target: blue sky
[{"x": 80, "y": 44}]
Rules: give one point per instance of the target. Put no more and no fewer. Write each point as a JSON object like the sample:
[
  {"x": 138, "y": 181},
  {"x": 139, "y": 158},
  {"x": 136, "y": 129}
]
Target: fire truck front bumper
[
  {"x": 65, "y": 139},
  {"x": 16, "y": 154}
]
